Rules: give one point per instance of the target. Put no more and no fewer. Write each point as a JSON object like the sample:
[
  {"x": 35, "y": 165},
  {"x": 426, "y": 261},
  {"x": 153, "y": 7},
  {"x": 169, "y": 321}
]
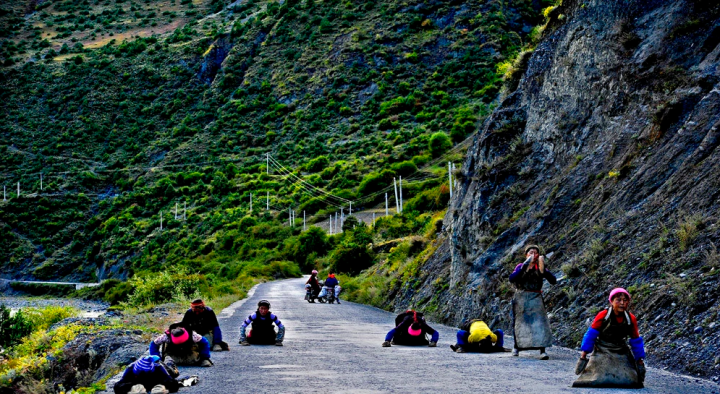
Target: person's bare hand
[{"x": 541, "y": 264}]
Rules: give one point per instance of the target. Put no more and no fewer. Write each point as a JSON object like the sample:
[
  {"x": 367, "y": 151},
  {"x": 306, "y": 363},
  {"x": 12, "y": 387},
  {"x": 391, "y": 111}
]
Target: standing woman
[
  {"x": 531, "y": 327},
  {"x": 612, "y": 363}
]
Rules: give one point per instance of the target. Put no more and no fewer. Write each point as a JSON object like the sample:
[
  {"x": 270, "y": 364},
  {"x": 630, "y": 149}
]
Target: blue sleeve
[
  {"x": 435, "y": 336},
  {"x": 154, "y": 349},
  {"x": 248, "y": 321},
  {"x": 204, "y": 348},
  {"x": 276, "y": 320},
  {"x": 516, "y": 273},
  {"x": 128, "y": 374},
  {"x": 588, "y": 342},
  {"x": 217, "y": 335},
  {"x": 637, "y": 345},
  {"x": 390, "y": 335}
]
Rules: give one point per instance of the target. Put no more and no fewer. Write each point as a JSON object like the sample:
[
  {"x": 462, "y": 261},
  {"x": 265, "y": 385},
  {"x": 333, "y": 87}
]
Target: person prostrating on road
[
  {"x": 612, "y": 363},
  {"x": 475, "y": 336},
  {"x": 146, "y": 374},
  {"x": 531, "y": 327},
  {"x": 411, "y": 329},
  {"x": 262, "y": 331},
  {"x": 183, "y": 346}
]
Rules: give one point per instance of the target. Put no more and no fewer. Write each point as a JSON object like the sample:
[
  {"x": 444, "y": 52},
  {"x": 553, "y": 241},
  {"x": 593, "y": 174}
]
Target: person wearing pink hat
[
  {"x": 183, "y": 346},
  {"x": 411, "y": 329},
  {"x": 314, "y": 285},
  {"x": 612, "y": 363}
]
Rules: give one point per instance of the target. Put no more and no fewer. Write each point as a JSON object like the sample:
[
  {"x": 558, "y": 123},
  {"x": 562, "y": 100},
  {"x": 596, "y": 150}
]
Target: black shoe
[{"x": 454, "y": 348}]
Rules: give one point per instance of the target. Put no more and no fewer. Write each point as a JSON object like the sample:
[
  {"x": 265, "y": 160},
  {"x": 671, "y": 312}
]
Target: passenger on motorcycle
[
  {"x": 411, "y": 329},
  {"x": 262, "y": 331},
  {"x": 331, "y": 283},
  {"x": 314, "y": 285}
]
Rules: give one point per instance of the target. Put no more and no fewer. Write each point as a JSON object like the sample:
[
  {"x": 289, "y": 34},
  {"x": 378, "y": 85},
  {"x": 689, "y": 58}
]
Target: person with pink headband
[
  {"x": 411, "y": 329},
  {"x": 183, "y": 346},
  {"x": 612, "y": 363}
]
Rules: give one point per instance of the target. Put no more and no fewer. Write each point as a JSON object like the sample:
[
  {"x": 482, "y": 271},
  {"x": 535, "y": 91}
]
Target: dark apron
[
  {"x": 611, "y": 365},
  {"x": 531, "y": 327}
]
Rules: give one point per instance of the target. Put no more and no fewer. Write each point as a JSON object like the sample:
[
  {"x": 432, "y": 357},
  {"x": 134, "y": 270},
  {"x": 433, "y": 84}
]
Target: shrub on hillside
[
  {"x": 439, "y": 143},
  {"x": 318, "y": 164},
  {"x": 13, "y": 328}
]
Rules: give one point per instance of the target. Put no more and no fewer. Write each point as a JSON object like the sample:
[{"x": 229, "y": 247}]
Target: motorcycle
[
  {"x": 310, "y": 295},
  {"x": 327, "y": 295}
]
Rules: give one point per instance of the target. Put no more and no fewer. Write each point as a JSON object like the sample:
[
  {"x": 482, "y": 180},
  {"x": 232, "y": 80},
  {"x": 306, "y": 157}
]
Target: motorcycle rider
[
  {"x": 330, "y": 283},
  {"x": 262, "y": 331},
  {"x": 314, "y": 285}
]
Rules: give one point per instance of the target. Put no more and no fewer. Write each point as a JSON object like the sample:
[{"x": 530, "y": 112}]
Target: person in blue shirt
[
  {"x": 147, "y": 372},
  {"x": 262, "y": 331},
  {"x": 331, "y": 283}
]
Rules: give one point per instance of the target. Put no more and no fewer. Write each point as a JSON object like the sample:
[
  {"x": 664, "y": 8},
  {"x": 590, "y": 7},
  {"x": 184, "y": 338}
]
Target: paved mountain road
[{"x": 336, "y": 348}]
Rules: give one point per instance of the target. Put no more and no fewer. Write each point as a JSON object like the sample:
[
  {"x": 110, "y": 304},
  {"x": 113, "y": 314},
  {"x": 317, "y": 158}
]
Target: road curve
[{"x": 336, "y": 348}]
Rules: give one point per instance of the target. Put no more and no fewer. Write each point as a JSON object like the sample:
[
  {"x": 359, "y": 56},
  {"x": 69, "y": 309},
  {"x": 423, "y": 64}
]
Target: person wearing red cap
[
  {"x": 411, "y": 329},
  {"x": 202, "y": 319},
  {"x": 612, "y": 363},
  {"x": 183, "y": 346}
]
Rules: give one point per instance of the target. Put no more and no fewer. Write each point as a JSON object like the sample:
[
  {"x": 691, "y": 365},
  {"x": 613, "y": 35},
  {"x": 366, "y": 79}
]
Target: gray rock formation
[{"x": 605, "y": 155}]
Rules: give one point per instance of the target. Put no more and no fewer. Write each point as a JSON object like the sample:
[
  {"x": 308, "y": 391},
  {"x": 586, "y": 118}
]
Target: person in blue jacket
[
  {"x": 147, "y": 372},
  {"x": 183, "y": 346},
  {"x": 411, "y": 329}
]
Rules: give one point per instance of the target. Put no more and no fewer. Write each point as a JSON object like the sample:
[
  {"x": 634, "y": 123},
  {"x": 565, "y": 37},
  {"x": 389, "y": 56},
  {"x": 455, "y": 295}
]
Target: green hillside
[{"x": 126, "y": 109}]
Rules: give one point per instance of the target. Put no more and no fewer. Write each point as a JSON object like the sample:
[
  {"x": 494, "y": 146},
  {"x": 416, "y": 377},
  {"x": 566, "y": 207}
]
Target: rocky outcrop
[{"x": 607, "y": 155}]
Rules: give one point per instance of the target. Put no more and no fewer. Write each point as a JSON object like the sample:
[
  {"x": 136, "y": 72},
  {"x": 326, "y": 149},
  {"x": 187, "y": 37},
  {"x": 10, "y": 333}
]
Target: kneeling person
[
  {"x": 149, "y": 374},
  {"x": 202, "y": 320},
  {"x": 612, "y": 363},
  {"x": 411, "y": 329},
  {"x": 475, "y": 336},
  {"x": 262, "y": 331},
  {"x": 183, "y": 346}
]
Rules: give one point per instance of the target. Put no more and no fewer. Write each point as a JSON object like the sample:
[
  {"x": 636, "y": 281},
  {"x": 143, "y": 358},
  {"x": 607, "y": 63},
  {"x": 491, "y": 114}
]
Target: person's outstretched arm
[
  {"x": 549, "y": 277},
  {"x": 390, "y": 335},
  {"x": 246, "y": 323},
  {"x": 517, "y": 273}
]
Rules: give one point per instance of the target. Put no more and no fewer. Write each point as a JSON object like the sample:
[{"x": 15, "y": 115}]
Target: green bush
[
  {"x": 318, "y": 164},
  {"x": 404, "y": 168},
  {"x": 164, "y": 286},
  {"x": 13, "y": 328},
  {"x": 439, "y": 143}
]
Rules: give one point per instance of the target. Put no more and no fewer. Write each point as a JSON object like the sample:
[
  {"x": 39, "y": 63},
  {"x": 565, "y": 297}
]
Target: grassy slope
[{"x": 363, "y": 84}]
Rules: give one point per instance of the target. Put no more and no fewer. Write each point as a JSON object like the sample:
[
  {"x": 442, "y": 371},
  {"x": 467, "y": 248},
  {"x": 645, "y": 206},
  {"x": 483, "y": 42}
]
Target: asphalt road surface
[{"x": 336, "y": 348}]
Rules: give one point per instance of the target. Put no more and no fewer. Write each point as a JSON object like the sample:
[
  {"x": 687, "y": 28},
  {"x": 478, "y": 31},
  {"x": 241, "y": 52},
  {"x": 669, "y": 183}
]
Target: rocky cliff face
[{"x": 606, "y": 154}]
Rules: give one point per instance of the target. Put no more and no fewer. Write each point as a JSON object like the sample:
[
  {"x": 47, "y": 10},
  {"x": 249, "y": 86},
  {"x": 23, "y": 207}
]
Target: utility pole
[
  {"x": 176, "y": 204},
  {"x": 41, "y": 179},
  {"x": 386, "y": 205},
  {"x": 350, "y": 214},
  {"x": 401, "y": 201},
  {"x": 251, "y": 203},
  {"x": 450, "y": 178},
  {"x": 18, "y": 194},
  {"x": 267, "y": 163},
  {"x": 330, "y": 224},
  {"x": 267, "y": 202},
  {"x": 373, "y": 222},
  {"x": 397, "y": 206},
  {"x": 4, "y": 197}
]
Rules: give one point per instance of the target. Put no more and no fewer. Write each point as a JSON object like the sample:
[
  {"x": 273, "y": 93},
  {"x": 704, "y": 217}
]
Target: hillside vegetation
[{"x": 134, "y": 120}]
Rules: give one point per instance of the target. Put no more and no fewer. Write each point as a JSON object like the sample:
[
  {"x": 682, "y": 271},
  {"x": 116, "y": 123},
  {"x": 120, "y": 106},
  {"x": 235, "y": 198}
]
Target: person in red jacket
[{"x": 612, "y": 363}]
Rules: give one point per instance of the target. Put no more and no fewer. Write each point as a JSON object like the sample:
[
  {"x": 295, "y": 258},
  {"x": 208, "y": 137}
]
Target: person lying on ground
[
  {"x": 531, "y": 327},
  {"x": 202, "y": 320},
  {"x": 149, "y": 374},
  {"x": 475, "y": 336},
  {"x": 262, "y": 331},
  {"x": 183, "y": 346},
  {"x": 612, "y": 363},
  {"x": 314, "y": 284},
  {"x": 411, "y": 329}
]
